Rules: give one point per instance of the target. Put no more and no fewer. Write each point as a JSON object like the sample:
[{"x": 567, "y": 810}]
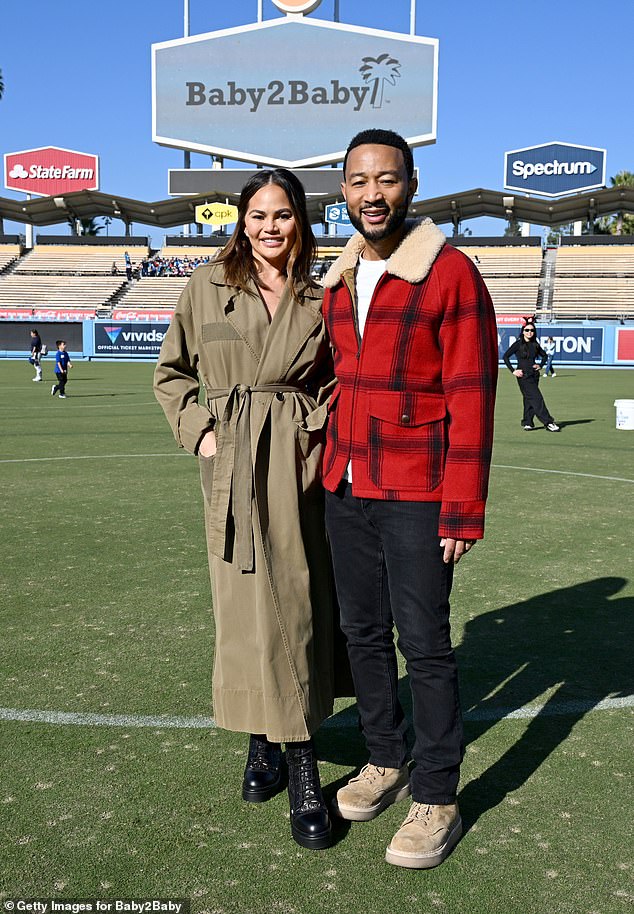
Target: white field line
[
  {"x": 496, "y": 466},
  {"x": 88, "y": 457},
  {"x": 344, "y": 719},
  {"x": 502, "y": 466}
]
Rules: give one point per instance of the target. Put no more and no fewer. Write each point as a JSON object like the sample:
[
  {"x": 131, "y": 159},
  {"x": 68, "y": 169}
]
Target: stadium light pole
[
  {"x": 412, "y": 18},
  {"x": 187, "y": 158}
]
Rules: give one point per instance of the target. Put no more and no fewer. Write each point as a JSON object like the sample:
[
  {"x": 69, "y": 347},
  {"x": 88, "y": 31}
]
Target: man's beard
[{"x": 395, "y": 221}]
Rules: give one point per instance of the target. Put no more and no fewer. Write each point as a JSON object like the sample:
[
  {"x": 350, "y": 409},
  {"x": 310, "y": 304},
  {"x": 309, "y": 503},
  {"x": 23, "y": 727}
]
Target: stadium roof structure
[{"x": 452, "y": 208}]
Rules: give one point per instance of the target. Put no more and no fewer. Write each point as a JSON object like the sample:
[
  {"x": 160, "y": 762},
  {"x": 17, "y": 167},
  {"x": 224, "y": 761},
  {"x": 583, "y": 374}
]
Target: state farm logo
[
  {"x": 51, "y": 170},
  {"x": 377, "y": 72}
]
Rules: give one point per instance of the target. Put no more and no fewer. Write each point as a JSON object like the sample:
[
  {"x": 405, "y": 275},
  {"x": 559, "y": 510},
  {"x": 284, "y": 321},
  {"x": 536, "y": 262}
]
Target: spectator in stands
[
  {"x": 549, "y": 348},
  {"x": 36, "y": 354},
  {"x": 249, "y": 328},
  {"x": 527, "y": 350},
  {"x": 128, "y": 267},
  {"x": 62, "y": 364},
  {"x": 114, "y": 269}
]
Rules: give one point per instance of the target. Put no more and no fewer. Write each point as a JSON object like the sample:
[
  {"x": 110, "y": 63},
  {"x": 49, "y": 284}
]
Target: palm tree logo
[{"x": 380, "y": 70}]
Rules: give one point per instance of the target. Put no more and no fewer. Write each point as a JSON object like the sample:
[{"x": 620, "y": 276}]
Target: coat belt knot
[{"x": 233, "y": 470}]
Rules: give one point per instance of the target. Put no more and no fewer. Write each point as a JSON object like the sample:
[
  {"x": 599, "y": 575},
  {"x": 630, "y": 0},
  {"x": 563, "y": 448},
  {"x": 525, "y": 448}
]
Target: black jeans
[
  {"x": 534, "y": 404},
  {"x": 389, "y": 570}
]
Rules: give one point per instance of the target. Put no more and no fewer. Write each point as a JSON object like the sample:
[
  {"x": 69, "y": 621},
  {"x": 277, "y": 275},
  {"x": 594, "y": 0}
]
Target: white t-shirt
[{"x": 367, "y": 276}]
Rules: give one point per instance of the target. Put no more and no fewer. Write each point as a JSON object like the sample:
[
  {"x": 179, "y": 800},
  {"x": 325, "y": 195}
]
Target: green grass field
[{"x": 105, "y": 606}]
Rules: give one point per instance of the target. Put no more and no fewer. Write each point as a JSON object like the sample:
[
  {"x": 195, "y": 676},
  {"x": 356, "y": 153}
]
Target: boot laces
[
  {"x": 308, "y": 776},
  {"x": 258, "y": 756}
]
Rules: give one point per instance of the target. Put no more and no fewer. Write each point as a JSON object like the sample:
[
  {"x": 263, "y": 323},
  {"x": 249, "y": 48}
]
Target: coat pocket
[
  {"x": 216, "y": 333},
  {"x": 407, "y": 435},
  {"x": 206, "y": 466}
]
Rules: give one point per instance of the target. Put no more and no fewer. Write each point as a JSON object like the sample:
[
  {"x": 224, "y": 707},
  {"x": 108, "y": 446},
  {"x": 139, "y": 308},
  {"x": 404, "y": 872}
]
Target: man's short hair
[{"x": 376, "y": 137}]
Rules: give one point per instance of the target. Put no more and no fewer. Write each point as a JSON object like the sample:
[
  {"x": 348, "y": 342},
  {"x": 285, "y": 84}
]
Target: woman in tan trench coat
[{"x": 248, "y": 328}]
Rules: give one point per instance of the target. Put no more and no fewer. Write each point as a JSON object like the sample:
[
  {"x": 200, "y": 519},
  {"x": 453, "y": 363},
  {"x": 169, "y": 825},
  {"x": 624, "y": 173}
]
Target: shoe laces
[
  {"x": 369, "y": 773},
  {"x": 418, "y": 812}
]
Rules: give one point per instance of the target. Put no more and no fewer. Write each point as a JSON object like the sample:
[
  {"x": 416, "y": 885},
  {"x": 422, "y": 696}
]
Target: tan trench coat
[{"x": 265, "y": 384}]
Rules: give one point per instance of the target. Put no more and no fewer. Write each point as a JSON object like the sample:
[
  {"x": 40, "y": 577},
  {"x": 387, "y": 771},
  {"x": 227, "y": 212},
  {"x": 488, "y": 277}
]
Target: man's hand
[
  {"x": 455, "y": 549},
  {"x": 518, "y": 373}
]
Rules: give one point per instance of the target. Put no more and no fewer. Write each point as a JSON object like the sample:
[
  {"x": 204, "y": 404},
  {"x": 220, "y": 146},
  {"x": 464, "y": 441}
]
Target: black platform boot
[
  {"x": 310, "y": 823},
  {"x": 263, "y": 772}
]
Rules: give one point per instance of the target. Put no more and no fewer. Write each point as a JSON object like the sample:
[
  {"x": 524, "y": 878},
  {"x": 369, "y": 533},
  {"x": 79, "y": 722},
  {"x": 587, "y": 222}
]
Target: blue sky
[{"x": 511, "y": 74}]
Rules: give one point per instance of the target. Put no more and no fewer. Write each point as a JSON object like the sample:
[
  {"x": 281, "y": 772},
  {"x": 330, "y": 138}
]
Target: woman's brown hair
[{"x": 237, "y": 258}]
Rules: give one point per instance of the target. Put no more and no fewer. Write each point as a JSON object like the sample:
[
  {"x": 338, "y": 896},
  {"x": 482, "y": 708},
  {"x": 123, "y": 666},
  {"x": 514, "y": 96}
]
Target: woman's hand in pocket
[{"x": 207, "y": 446}]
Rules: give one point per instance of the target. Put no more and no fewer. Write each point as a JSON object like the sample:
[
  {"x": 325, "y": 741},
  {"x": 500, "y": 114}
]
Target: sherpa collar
[{"x": 412, "y": 260}]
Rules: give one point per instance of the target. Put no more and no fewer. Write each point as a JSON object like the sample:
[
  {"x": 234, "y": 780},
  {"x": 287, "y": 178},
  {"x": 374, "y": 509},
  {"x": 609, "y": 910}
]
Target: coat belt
[{"x": 233, "y": 471}]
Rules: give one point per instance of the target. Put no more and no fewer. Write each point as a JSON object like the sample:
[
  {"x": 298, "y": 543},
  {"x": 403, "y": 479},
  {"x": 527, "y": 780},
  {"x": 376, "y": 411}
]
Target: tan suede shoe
[
  {"x": 426, "y": 836},
  {"x": 374, "y": 788}
]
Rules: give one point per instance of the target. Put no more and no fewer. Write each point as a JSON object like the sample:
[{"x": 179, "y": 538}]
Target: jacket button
[
  {"x": 405, "y": 419},
  {"x": 279, "y": 395}
]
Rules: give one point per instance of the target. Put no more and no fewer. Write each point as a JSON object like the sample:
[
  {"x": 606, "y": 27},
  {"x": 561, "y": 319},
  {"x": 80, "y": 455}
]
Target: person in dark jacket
[{"x": 527, "y": 351}]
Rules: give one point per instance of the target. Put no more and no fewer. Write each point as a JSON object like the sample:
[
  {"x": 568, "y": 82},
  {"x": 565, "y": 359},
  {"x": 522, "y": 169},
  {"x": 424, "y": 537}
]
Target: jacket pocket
[
  {"x": 206, "y": 466},
  {"x": 407, "y": 440},
  {"x": 216, "y": 333}
]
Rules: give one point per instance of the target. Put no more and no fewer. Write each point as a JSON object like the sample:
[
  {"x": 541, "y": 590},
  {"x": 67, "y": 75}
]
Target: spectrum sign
[
  {"x": 50, "y": 170},
  {"x": 554, "y": 169}
]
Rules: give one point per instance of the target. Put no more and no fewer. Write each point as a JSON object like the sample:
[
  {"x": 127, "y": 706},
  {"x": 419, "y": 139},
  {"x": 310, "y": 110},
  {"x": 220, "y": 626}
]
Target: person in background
[
  {"x": 549, "y": 349},
  {"x": 36, "y": 354},
  {"x": 62, "y": 364},
  {"x": 527, "y": 351},
  {"x": 248, "y": 328}
]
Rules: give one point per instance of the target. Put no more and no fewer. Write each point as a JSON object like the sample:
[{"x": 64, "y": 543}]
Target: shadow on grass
[
  {"x": 574, "y": 643},
  {"x": 576, "y": 422}
]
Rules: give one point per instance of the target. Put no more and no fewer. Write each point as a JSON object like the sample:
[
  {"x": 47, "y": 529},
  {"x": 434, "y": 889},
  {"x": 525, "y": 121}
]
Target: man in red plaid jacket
[{"x": 406, "y": 469}]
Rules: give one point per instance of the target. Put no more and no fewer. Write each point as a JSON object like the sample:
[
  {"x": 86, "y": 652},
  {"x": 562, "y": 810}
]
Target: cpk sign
[
  {"x": 554, "y": 169},
  {"x": 292, "y": 91},
  {"x": 50, "y": 170}
]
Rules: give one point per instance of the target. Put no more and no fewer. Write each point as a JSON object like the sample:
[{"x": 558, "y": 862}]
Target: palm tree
[
  {"x": 380, "y": 70},
  {"x": 623, "y": 179},
  {"x": 86, "y": 226}
]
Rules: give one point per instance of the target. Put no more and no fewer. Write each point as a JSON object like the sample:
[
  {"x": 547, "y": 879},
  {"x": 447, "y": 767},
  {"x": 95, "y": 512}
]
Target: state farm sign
[{"x": 50, "y": 170}]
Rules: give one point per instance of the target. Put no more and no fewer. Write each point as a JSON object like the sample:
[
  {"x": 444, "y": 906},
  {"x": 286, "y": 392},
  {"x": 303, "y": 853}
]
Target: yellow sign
[{"x": 216, "y": 213}]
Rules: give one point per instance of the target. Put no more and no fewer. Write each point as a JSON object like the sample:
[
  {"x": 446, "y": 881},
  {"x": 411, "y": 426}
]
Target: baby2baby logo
[{"x": 377, "y": 73}]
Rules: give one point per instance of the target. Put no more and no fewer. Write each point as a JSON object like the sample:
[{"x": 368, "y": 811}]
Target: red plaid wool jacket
[{"x": 413, "y": 407}]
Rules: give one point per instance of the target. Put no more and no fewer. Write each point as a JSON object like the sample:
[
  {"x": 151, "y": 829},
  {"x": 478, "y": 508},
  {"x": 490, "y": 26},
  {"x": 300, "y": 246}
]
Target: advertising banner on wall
[
  {"x": 118, "y": 339},
  {"x": 625, "y": 344},
  {"x": 554, "y": 169},
  {"x": 572, "y": 344},
  {"x": 50, "y": 170},
  {"x": 292, "y": 91}
]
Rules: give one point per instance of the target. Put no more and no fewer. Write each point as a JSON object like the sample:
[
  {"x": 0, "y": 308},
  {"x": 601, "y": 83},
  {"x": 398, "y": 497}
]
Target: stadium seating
[
  {"x": 8, "y": 254},
  {"x": 153, "y": 292},
  {"x": 594, "y": 282},
  {"x": 69, "y": 260},
  {"x": 58, "y": 291},
  {"x": 512, "y": 275}
]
